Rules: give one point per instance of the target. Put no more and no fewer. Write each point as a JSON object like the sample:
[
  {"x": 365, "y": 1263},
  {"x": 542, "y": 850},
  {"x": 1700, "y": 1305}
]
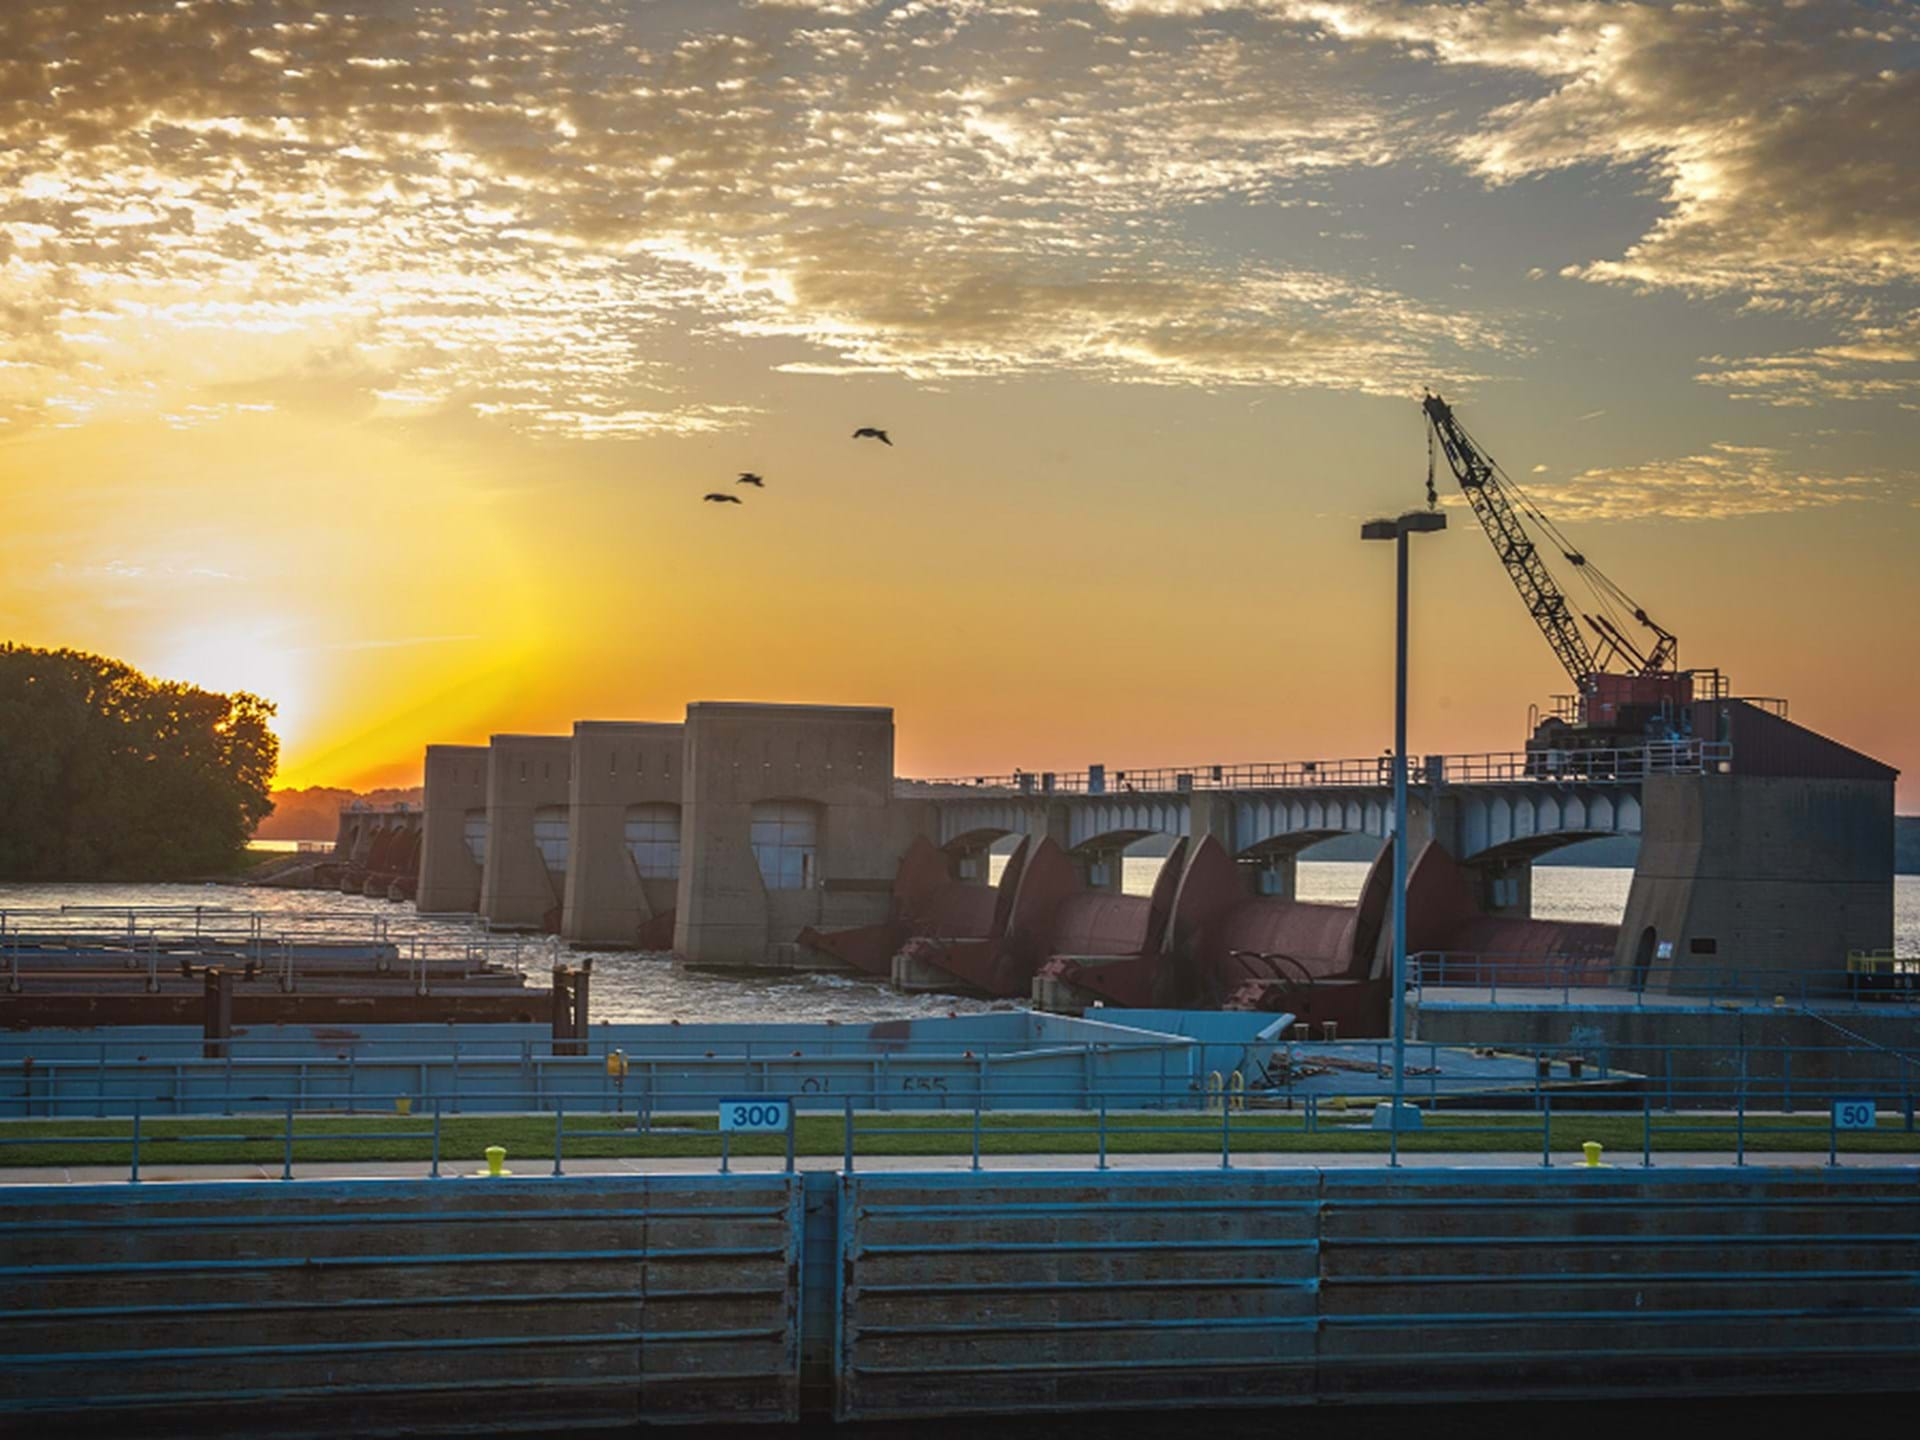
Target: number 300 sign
[{"x": 756, "y": 1114}]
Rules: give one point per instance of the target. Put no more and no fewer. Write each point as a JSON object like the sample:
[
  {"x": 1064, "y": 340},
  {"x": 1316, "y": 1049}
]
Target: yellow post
[
  {"x": 1216, "y": 1091},
  {"x": 496, "y": 1162},
  {"x": 1592, "y": 1147},
  {"x": 1237, "y": 1091},
  {"x": 403, "y": 1104}
]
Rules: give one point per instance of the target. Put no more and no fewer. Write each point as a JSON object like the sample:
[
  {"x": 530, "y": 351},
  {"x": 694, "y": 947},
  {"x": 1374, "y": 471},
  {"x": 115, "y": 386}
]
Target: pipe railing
[
  {"x": 1144, "y": 1075},
  {"x": 1738, "y": 1123},
  {"x": 47, "y": 942},
  {"x": 1532, "y": 980},
  {"x": 1620, "y": 765}
]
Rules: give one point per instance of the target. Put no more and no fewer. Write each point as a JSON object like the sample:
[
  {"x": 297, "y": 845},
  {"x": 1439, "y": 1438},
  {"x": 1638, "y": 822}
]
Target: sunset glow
[{"x": 376, "y": 360}]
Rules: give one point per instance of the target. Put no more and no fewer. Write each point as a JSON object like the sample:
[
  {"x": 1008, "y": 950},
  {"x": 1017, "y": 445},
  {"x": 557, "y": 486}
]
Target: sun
[{"x": 254, "y": 655}]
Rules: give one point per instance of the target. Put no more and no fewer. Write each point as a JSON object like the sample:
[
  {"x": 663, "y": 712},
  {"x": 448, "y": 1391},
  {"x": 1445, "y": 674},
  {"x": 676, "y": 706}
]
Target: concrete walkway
[{"x": 535, "y": 1167}]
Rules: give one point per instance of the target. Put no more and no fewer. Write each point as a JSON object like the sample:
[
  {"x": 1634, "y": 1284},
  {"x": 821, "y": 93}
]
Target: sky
[{"x": 376, "y": 358}]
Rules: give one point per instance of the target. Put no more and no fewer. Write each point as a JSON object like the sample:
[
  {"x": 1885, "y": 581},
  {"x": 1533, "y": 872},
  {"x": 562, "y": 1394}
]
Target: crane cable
[{"x": 1605, "y": 591}]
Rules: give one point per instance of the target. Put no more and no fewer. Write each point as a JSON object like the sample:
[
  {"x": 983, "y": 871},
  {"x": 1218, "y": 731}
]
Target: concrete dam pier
[{"x": 777, "y": 837}]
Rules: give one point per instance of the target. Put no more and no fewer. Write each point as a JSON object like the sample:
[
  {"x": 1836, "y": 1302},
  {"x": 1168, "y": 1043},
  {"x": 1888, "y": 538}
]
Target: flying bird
[
  {"x": 747, "y": 477},
  {"x": 716, "y": 498},
  {"x": 867, "y": 432}
]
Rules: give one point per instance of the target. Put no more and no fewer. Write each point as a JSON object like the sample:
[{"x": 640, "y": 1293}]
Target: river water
[{"x": 639, "y": 988}]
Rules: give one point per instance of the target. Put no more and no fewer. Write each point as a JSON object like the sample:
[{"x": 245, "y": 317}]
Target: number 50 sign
[
  {"x": 1853, "y": 1115},
  {"x": 756, "y": 1114}
]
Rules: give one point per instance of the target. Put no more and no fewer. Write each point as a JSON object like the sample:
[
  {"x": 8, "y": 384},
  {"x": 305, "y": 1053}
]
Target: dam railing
[
  {"x": 1625, "y": 765},
  {"x": 1880, "y": 979}
]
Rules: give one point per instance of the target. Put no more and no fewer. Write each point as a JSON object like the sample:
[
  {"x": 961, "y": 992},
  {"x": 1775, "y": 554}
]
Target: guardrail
[
  {"x": 1152, "y": 1074},
  {"x": 1610, "y": 766},
  {"x": 1557, "y": 1127},
  {"x": 156, "y": 939},
  {"x": 1530, "y": 980}
]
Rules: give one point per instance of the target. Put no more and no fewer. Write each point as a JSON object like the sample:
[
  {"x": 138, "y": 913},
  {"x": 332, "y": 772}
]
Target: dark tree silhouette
[{"x": 106, "y": 773}]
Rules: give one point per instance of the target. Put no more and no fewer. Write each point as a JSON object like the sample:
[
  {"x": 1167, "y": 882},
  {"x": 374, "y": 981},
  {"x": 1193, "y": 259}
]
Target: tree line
[{"x": 109, "y": 774}]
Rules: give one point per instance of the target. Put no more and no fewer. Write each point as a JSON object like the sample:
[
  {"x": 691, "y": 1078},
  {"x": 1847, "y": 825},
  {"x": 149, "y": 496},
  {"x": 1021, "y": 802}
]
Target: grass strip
[{"x": 189, "y": 1140}]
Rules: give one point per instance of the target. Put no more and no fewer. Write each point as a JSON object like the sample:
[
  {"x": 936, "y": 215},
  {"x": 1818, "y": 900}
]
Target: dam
[{"x": 772, "y": 838}]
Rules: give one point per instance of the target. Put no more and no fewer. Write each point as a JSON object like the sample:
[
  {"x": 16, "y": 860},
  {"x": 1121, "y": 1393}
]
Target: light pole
[{"x": 1414, "y": 522}]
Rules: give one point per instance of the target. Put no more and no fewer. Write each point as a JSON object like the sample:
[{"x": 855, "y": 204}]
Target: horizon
[{"x": 377, "y": 362}]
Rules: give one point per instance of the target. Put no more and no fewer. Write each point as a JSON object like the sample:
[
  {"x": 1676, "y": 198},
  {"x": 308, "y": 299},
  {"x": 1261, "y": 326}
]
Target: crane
[{"x": 1504, "y": 511}]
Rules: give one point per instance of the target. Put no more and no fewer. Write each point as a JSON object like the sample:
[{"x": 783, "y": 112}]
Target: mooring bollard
[
  {"x": 496, "y": 1164},
  {"x": 1592, "y": 1147}
]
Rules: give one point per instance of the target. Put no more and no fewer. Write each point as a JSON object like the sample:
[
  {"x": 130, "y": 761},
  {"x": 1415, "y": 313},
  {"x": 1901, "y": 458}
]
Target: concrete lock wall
[
  {"x": 456, "y": 787},
  {"x": 618, "y": 765},
  {"x": 399, "y": 1306},
  {"x": 1756, "y": 873},
  {"x": 526, "y": 775},
  {"x": 1048, "y": 1291},
  {"x": 541, "y": 1305},
  {"x": 830, "y": 763}
]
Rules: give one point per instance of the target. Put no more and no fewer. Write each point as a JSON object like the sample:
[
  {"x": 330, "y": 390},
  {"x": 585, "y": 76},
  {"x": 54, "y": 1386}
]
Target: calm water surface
[{"x": 646, "y": 988}]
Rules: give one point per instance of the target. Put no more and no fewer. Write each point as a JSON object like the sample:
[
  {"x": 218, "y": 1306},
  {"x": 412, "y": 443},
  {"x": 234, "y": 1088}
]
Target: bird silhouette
[
  {"x": 747, "y": 477},
  {"x": 716, "y": 498},
  {"x": 867, "y": 432}
]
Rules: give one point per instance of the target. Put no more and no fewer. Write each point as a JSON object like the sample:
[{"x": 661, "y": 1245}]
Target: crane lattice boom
[{"x": 1506, "y": 526}]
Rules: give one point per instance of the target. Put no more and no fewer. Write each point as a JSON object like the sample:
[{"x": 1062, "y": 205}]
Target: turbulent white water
[{"x": 646, "y": 988}]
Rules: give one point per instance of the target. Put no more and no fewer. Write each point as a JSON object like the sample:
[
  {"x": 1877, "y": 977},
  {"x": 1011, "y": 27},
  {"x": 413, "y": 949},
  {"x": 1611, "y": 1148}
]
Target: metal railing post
[
  {"x": 847, "y": 1132},
  {"x": 1646, "y": 1131},
  {"x": 726, "y": 1152},
  {"x": 793, "y": 1124},
  {"x": 1740, "y": 1123},
  {"x": 1833, "y": 1135},
  {"x": 133, "y": 1173},
  {"x": 286, "y": 1165},
  {"x": 435, "y": 1172},
  {"x": 1546, "y": 1128},
  {"x": 1103, "y": 1132},
  {"x": 1226, "y": 1133},
  {"x": 976, "y": 1134},
  {"x": 559, "y": 1132}
]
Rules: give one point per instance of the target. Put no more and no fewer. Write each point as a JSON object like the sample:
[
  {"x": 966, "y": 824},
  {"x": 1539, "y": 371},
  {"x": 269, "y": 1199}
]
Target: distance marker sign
[
  {"x": 1853, "y": 1115},
  {"x": 756, "y": 1114}
]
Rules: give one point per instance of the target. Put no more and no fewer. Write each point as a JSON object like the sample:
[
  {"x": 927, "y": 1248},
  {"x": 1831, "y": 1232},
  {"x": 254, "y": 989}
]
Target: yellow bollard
[
  {"x": 1216, "y": 1091},
  {"x": 403, "y": 1104},
  {"x": 1592, "y": 1147},
  {"x": 496, "y": 1164},
  {"x": 1237, "y": 1091}
]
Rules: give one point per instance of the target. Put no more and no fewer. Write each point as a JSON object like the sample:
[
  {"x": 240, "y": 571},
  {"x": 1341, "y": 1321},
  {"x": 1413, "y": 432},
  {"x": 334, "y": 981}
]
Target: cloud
[
  {"x": 1780, "y": 136},
  {"x": 1726, "y": 481},
  {"x": 404, "y": 642},
  {"x": 571, "y": 218},
  {"x": 1869, "y": 362},
  {"x": 521, "y": 213}
]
